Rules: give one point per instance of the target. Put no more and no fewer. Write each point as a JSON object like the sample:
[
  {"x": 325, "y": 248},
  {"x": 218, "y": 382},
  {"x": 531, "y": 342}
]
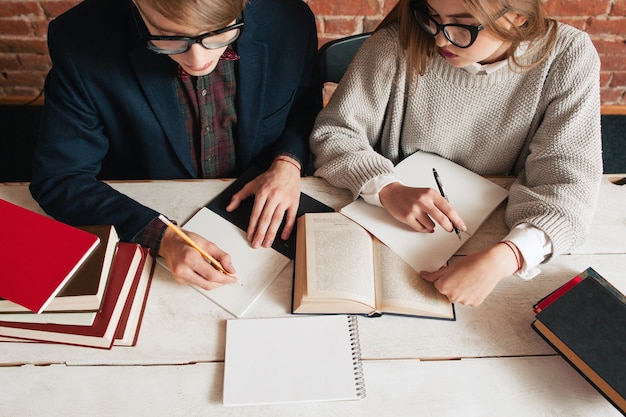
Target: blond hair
[
  {"x": 420, "y": 47},
  {"x": 199, "y": 13}
]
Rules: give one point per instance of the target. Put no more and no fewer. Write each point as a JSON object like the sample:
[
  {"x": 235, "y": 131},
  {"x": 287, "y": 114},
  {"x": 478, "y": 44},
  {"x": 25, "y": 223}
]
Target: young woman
[{"x": 495, "y": 86}]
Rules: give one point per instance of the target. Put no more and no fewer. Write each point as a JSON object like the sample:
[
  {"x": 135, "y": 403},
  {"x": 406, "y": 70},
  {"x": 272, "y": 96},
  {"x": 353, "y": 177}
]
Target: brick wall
[{"x": 24, "y": 61}]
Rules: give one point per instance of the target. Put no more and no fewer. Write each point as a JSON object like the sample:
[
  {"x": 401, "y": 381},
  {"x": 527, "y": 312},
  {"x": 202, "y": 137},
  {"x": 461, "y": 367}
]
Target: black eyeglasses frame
[
  {"x": 473, "y": 30},
  {"x": 191, "y": 40}
]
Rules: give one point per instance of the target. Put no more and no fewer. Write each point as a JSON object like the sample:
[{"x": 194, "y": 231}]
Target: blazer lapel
[
  {"x": 251, "y": 90},
  {"x": 153, "y": 72}
]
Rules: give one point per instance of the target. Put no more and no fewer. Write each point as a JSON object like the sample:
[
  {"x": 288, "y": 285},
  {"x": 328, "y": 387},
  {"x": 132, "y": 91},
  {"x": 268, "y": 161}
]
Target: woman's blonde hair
[
  {"x": 199, "y": 13},
  {"x": 420, "y": 47}
]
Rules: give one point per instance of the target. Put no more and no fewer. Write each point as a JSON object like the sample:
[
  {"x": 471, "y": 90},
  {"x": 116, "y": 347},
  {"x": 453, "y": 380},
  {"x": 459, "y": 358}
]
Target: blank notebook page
[{"x": 292, "y": 359}]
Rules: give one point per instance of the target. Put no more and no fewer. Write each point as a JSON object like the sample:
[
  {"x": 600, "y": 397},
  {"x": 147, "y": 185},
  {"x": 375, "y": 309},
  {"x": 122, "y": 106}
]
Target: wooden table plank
[
  {"x": 182, "y": 326},
  {"x": 538, "y": 386}
]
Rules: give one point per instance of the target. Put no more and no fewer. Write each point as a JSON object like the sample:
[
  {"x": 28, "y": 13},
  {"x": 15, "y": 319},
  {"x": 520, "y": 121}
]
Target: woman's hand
[
  {"x": 420, "y": 208},
  {"x": 471, "y": 279}
]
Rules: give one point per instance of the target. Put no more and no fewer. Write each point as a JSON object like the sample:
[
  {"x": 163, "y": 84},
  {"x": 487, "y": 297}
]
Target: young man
[{"x": 165, "y": 89}]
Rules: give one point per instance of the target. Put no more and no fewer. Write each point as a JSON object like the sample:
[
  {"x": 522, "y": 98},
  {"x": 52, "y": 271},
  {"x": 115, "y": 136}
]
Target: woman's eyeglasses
[
  {"x": 462, "y": 36},
  {"x": 169, "y": 45}
]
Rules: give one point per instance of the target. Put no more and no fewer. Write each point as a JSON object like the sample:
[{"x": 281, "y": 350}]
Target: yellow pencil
[{"x": 214, "y": 262}]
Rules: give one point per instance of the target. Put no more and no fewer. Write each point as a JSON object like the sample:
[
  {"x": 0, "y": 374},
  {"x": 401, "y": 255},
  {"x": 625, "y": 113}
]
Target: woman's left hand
[{"x": 471, "y": 279}]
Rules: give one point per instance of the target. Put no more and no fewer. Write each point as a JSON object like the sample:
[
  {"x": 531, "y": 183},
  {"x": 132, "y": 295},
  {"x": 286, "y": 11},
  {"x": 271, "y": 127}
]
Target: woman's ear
[{"x": 518, "y": 19}]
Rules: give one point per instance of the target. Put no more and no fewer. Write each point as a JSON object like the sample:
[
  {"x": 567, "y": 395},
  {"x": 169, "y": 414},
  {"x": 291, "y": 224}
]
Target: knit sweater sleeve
[
  {"x": 348, "y": 129},
  {"x": 560, "y": 174}
]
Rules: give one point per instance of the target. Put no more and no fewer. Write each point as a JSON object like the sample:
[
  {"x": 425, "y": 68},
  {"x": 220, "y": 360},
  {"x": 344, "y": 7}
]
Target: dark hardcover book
[
  {"x": 586, "y": 325},
  {"x": 241, "y": 216}
]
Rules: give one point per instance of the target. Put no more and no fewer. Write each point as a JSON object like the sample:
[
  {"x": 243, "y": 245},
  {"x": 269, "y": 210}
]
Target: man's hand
[
  {"x": 420, "y": 208},
  {"x": 277, "y": 194},
  {"x": 189, "y": 267},
  {"x": 471, "y": 279}
]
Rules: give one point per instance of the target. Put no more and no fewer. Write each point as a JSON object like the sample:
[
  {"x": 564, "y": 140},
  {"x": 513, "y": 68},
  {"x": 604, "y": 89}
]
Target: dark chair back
[
  {"x": 19, "y": 126},
  {"x": 334, "y": 57}
]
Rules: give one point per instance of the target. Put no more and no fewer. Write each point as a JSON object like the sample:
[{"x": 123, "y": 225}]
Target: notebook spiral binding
[{"x": 357, "y": 365}]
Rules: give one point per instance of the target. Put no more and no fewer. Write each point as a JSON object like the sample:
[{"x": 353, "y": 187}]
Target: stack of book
[{"x": 72, "y": 285}]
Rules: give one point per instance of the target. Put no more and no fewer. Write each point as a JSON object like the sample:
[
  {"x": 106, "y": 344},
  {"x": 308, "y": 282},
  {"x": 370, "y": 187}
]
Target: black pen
[{"x": 443, "y": 194}]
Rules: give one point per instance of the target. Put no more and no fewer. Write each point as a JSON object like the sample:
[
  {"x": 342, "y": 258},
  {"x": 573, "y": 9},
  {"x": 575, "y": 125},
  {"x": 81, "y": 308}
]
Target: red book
[
  {"x": 128, "y": 258},
  {"x": 38, "y": 255},
  {"x": 128, "y": 329}
]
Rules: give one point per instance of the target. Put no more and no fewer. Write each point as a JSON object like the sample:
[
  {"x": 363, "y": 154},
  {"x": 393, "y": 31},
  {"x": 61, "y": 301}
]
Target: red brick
[
  {"x": 389, "y": 4},
  {"x": 610, "y": 96},
  {"x": 619, "y": 8},
  {"x": 19, "y": 8},
  {"x": 40, "y": 27},
  {"x": 341, "y": 26},
  {"x": 15, "y": 27},
  {"x": 9, "y": 62},
  {"x": 605, "y": 78},
  {"x": 369, "y": 25},
  {"x": 23, "y": 79},
  {"x": 55, "y": 8},
  {"x": 612, "y": 63},
  {"x": 23, "y": 46},
  {"x": 605, "y": 47},
  {"x": 603, "y": 26},
  {"x": 36, "y": 62},
  {"x": 618, "y": 80},
  {"x": 577, "y": 7},
  {"x": 577, "y": 22},
  {"x": 345, "y": 7},
  {"x": 17, "y": 91}
]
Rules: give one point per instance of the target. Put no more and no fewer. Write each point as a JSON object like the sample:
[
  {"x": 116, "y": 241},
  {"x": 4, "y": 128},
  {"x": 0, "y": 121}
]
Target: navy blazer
[{"x": 112, "y": 112}]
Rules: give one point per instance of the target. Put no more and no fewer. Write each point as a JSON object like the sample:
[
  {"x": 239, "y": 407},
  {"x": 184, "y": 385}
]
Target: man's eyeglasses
[
  {"x": 462, "y": 36},
  {"x": 169, "y": 45}
]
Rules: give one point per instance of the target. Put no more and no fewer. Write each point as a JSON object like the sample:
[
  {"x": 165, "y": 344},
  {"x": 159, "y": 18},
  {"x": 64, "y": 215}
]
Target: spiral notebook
[{"x": 292, "y": 360}]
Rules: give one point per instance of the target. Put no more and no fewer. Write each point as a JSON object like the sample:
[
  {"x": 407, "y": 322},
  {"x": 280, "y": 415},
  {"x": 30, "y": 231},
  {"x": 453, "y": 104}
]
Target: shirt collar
[
  {"x": 484, "y": 69},
  {"x": 228, "y": 55}
]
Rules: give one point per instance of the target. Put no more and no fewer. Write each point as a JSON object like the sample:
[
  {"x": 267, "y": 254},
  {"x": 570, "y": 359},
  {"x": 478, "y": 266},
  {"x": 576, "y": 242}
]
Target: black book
[
  {"x": 586, "y": 325},
  {"x": 241, "y": 216}
]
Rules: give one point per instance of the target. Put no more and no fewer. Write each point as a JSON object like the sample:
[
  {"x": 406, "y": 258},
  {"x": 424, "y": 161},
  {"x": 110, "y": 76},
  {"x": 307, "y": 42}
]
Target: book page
[
  {"x": 256, "y": 268},
  {"x": 400, "y": 289},
  {"x": 473, "y": 196},
  {"x": 339, "y": 258}
]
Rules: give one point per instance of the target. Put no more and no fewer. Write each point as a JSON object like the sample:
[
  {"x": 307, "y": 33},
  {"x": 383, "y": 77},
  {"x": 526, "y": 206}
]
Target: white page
[
  {"x": 291, "y": 360},
  {"x": 256, "y": 268},
  {"x": 472, "y": 196}
]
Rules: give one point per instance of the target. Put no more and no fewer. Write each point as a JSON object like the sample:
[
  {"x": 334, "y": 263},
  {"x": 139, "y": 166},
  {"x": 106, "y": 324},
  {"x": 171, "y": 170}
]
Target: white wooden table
[{"x": 489, "y": 362}]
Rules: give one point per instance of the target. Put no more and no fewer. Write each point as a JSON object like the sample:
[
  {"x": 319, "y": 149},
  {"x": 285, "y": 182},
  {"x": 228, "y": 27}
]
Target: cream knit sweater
[{"x": 541, "y": 125}]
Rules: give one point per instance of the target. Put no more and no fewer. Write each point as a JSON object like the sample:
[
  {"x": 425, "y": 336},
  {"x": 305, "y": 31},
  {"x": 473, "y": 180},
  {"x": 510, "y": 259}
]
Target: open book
[
  {"x": 341, "y": 268},
  {"x": 472, "y": 196}
]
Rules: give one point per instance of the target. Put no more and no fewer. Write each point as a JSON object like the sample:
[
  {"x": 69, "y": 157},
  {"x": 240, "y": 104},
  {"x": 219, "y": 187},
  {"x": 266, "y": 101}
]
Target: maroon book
[{"x": 128, "y": 259}]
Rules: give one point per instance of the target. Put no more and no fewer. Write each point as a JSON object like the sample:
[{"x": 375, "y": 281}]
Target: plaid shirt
[{"x": 208, "y": 106}]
